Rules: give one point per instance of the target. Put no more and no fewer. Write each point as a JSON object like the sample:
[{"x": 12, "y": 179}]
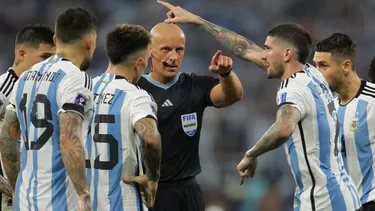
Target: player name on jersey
[
  {"x": 37, "y": 76},
  {"x": 103, "y": 98}
]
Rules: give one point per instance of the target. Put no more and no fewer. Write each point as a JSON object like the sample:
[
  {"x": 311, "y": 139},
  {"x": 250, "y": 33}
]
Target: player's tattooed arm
[
  {"x": 151, "y": 146},
  {"x": 240, "y": 46},
  {"x": 72, "y": 152},
  {"x": 5, "y": 187},
  {"x": 10, "y": 134},
  {"x": 287, "y": 119}
]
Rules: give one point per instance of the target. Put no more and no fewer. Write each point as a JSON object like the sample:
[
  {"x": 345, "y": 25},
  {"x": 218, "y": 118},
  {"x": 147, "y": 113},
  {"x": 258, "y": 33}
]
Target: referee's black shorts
[
  {"x": 369, "y": 206},
  {"x": 181, "y": 195}
]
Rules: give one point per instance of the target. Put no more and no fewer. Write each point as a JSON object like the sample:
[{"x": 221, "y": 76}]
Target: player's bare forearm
[
  {"x": 286, "y": 121},
  {"x": 5, "y": 187},
  {"x": 72, "y": 151},
  {"x": 8, "y": 146},
  {"x": 151, "y": 146},
  {"x": 240, "y": 46},
  {"x": 229, "y": 91}
]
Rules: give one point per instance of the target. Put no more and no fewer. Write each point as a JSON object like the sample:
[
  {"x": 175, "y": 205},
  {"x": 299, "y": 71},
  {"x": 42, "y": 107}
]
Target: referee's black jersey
[{"x": 181, "y": 103}]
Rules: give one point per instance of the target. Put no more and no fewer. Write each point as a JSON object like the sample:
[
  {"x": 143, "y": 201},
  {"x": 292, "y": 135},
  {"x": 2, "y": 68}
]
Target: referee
[{"x": 181, "y": 100}]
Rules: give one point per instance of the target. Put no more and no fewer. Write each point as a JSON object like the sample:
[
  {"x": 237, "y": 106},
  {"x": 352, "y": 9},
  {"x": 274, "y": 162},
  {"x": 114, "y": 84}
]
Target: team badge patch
[
  {"x": 189, "y": 123},
  {"x": 354, "y": 124},
  {"x": 153, "y": 108},
  {"x": 80, "y": 99}
]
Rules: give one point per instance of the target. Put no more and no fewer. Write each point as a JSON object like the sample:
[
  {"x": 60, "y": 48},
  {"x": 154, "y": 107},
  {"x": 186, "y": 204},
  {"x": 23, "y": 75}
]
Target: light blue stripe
[
  {"x": 96, "y": 171},
  {"x": 296, "y": 171},
  {"x": 325, "y": 142},
  {"x": 364, "y": 152},
  {"x": 19, "y": 96},
  {"x": 115, "y": 194},
  {"x": 59, "y": 198}
]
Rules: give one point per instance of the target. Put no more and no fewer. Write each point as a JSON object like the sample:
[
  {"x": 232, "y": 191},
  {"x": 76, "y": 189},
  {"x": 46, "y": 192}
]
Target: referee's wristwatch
[{"x": 226, "y": 74}]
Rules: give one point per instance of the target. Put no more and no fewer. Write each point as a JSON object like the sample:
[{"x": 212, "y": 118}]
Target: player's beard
[
  {"x": 276, "y": 70},
  {"x": 336, "y": 80},
  {"x": 85, "y": 64}
]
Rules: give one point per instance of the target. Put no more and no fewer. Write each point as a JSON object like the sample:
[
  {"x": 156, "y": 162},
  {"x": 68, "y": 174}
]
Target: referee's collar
[{"x": 161, "y": 85}]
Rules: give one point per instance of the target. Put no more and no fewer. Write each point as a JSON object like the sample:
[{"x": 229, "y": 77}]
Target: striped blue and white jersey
[
  {"x": 47, "y": 88},
  {"x": 356, "y": 120},
  {"x": 114, "y": 149},
  {"x": 313, "y": 151}
]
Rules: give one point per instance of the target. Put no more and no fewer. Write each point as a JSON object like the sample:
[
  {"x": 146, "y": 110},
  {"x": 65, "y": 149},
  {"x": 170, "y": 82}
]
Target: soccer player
[
  {"x": 52, "y": 105},
  {"x": 123, "y": 112},
  {"x": 306, "y": 119},
  {"x": 181, "y": 100},
  {"x": 335, "y": 58},
  {"x": 34, "y": 43},
  {"x": 371, "y": 71}
]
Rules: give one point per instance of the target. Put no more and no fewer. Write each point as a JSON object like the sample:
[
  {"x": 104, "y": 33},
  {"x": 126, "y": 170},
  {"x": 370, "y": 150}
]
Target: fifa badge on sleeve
[{"x": 80, "y": 100}]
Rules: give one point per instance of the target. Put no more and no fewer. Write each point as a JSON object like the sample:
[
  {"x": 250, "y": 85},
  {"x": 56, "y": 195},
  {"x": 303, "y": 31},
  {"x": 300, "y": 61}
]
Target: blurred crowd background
[{"x": 227, "y": 133}]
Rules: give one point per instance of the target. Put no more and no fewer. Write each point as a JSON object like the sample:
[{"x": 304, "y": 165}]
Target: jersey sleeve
[
  {"x": 3, "y": 102},
  {"x": 7, "y": 82},
  {"x": 74, "y": 93},
  {"x": 204, "y": 85},
  {"x": 142, "y": 106},
  {"x": 295, "y": 96},
  {"x": 11, "y": 104}
]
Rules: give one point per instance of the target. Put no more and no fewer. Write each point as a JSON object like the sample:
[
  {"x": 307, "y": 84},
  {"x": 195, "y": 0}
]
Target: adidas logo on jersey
[{"x": 167, "y": 103}]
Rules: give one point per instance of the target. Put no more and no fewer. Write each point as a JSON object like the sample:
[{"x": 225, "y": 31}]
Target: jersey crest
[
  {"x": 189, "y": 123},
  {"x": 354, "y": 123}
]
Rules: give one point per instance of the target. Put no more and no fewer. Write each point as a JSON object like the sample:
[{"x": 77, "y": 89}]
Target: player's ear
[
  {"x": 21, "y": 54},
  {"x": 91, "y": 41},
  {"x": 347, "y": 65},
  {"x": 138, "y": 63},
  {"x": 54, "y": 39},
  {"x": 287, "y": 54}
]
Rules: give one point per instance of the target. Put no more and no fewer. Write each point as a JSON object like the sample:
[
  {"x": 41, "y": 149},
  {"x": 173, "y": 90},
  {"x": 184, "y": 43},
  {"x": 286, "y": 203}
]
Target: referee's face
[{"x": 167, "y": 54}]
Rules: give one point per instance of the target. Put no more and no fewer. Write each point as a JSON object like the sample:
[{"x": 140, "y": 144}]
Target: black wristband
[{"x": 226, "y": 74}]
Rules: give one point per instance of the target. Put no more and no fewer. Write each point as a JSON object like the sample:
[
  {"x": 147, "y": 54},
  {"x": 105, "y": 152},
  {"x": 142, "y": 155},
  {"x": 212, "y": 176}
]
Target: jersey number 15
[{"x": 105, "y": 138}]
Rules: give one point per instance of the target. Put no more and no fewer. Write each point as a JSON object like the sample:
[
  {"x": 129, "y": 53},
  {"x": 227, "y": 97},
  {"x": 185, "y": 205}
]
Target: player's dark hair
[
  {"x": 125, "y": 40},
  {"x": 340, "y": 45},
  {"x": 35, "y": 34},
  {"x": 73, "y": 24},
  {"x": 371, "y": 71},
  {"x": 297, "y": 36}
]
